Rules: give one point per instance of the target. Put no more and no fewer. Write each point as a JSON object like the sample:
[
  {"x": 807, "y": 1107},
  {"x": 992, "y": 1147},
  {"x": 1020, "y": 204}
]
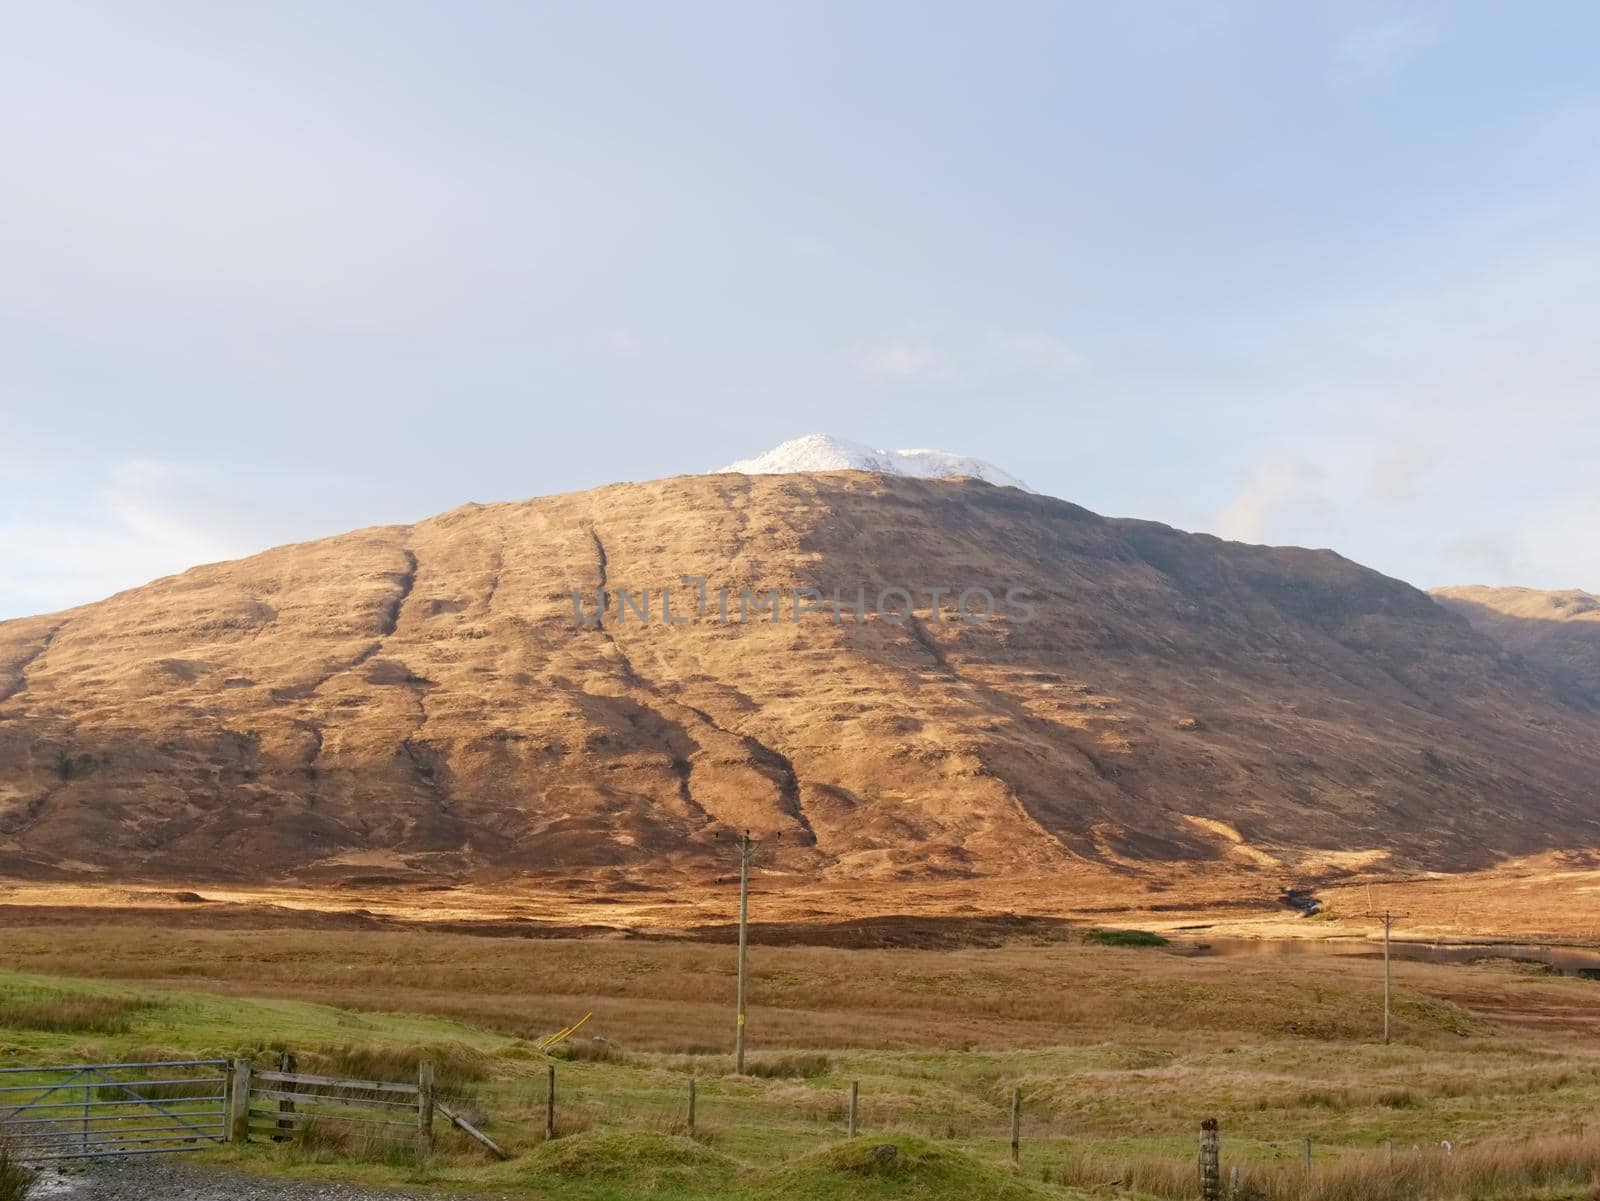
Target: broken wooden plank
[{"x": 462, "y": 1124}]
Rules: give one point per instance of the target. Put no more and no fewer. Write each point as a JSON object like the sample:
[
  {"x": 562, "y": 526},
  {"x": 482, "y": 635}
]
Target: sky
[{"x": 1317, "y": 274}]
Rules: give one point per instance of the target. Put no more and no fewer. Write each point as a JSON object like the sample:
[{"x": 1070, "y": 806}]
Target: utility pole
[
  {"x": 1389, "y": 919},
  {"x": 747, "y": 850}
]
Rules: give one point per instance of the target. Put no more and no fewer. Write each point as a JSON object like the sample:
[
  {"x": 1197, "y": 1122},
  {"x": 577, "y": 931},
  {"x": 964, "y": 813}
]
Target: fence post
[
  {"x": 425, "y": 1108},
  {"x": 855, "y": 1094},
  {"x": 1308, "y": 1156},
  {"x": 239, "y": 1103},
  {"x": 691, "y": 1106},
  {"x": 1210, "y": 1161},
  {"x": 1388, "y": 1152},
  {"x": 550, "y": 1104},
  {"x": 1016, "y": 1123},
  {"x": 286, "y": 1066}
]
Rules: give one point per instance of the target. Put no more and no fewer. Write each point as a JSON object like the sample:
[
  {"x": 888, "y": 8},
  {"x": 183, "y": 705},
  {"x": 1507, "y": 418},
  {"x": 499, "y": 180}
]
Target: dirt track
[{"x": 163, "y": 1179}]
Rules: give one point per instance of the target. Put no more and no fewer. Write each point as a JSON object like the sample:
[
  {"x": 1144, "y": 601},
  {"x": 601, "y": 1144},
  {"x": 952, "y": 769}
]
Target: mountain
[
  {"x": 1558, "y": 633},
  {"x": 823, "y": 452},
  {"x": 428, "y": 701}
]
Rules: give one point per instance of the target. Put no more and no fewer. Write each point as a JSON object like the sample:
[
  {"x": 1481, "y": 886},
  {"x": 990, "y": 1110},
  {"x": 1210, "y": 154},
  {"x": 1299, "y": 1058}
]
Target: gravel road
[{"x": 161, "y": 1179}]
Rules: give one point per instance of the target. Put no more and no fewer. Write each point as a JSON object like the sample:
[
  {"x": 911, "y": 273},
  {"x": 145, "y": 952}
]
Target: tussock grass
[
  {"x": 894, "y": 1166},
  {"x": 588, "y": 1050},
  {"x": 800, "y": 1065},
  {"x": 1487, "y": 1169},
  {"x": 328, "y": 1140},
  {"x": 175, "y": 1089},
  {"x": 633, "y": 1164},
  {"x": 456, "y": 1068},
  {"x": 68, "y": 1013},
  {"x": 16, "y": 1178}
]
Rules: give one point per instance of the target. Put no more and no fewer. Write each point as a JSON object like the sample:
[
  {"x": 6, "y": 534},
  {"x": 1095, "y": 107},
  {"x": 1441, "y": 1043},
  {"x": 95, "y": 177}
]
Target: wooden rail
[{"x": 283, "y": 1103}]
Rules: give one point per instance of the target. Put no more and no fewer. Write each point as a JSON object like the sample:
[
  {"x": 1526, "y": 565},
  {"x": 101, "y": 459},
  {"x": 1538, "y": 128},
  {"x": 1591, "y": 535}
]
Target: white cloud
[
  {"x": 147, "y": 519},
  {"x": 1276, "y": 485},
  {"x": 1041, "y": 350},
  {"x": 1450, "y": 417},
  {"x": 903, "y": 361},
  {"x": 1383, "y": 48}
]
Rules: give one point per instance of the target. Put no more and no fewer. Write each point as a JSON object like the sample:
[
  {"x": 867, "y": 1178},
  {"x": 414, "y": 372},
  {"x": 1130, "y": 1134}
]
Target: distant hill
[
  {"x": 1556, "y": 632},
  {"x": 421, "y": 701}
]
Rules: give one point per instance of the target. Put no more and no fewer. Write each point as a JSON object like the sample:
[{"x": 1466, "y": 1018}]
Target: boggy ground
[{"x": 1544, "y": 898}]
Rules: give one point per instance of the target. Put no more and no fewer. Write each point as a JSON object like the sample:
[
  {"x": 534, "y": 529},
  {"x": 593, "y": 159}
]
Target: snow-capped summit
[{"x": 823, "y": 452}]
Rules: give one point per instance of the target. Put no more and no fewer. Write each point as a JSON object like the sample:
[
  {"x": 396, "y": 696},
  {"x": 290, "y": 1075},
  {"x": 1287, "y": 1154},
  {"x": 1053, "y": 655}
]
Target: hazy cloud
[
  {"x": 1041, "y": 350},
  {"x": 145, "y": 520},
  {"x": 1275, "y": 485},
  {"x": 1382, "y": 48},
  {"x": 903, "y": 361}
]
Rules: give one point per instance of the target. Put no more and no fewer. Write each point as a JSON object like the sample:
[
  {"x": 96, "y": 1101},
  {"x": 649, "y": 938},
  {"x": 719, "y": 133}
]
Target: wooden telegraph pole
[
  {"x": 1389, "y": 919},
  {"x": 747, "y": 850}
]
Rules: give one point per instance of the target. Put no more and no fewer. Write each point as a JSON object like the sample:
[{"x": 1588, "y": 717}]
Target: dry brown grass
[
  {"x": 67, "y": 1014},
  {"x": 1487, "y": 1169},
  {"x": 662, "y": 996},
  {"x": 328, "y": 1139},
  {"x": 456, "y": 1068}
]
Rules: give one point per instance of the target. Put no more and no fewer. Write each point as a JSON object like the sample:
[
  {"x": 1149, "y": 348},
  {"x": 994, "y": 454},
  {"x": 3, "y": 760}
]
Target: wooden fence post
[
  {"x": 855, "y": 1095},
  {"x": 1308, "y": 1156},
  {"x": 239, "y": 1103},
  {"x": 1210, "y": 1161},
  {"x": 425, "y": 1108},
  {"x": 286, "y": 1065},
  {"x": 1016, "y": 1123},
  {"x": 691, "y": 1106},
  {"x": 550, "y": 1104}
]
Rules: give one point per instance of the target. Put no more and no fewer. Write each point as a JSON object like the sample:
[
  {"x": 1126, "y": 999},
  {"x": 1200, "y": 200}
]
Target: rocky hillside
[{"x": 422, "y": 701}]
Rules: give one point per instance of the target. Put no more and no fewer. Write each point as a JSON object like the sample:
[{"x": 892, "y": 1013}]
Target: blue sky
[{"x": 1322, "y": 274}]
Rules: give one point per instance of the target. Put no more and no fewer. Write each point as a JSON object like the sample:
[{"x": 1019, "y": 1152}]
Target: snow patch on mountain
[{"x": 823, "y": 452}]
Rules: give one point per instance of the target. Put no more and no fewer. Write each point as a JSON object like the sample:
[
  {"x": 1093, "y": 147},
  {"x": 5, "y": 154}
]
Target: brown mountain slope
[
  {"x": 1556, "y": 632},
  {"x": 420, "y": 699}
]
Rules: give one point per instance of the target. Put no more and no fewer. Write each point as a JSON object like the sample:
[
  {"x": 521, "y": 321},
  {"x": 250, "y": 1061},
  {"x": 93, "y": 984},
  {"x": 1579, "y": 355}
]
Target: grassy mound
[
  {"x": 1125, "y": 938},
  {"x": 632, "y": 1164},
  {"x": 899, "y": 1166}
]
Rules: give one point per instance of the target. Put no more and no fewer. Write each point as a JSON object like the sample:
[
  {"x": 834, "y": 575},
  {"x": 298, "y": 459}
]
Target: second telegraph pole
[{"x": 746, "y": 849}]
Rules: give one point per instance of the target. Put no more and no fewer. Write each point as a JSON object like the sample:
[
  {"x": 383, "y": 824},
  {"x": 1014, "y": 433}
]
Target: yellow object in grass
[{"x": 560, "y": 1036}]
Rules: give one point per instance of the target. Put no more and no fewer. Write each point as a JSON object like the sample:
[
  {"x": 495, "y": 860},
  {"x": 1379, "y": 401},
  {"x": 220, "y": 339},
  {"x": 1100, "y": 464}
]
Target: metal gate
[{"x": 87, "y": 1111}]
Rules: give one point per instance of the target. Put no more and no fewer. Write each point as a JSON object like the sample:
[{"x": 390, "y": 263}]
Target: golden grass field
[
  {"x": 1552, "y": 897},
  {"x": 1118, "y": 1051}
]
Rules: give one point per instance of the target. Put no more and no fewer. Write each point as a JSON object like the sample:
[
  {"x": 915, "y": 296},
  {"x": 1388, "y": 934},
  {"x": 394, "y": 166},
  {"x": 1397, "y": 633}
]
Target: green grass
[
  {"x": 896, "y": 1167},
  {"x": 627, "y": 1164},
  {"x": 1125, "y": 938}
]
